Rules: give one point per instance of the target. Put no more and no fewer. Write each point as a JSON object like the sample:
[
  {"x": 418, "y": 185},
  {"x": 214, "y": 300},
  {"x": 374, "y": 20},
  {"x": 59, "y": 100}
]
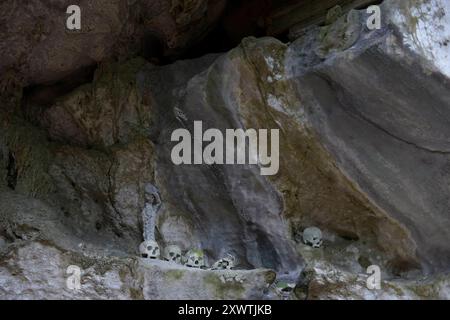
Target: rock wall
[
  {"x": 362, "y": 117},
  {"x": 37, "y": 47}
]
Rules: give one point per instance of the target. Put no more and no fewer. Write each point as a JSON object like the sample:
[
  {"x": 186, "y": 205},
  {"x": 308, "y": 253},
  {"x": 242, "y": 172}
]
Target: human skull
[
  {"x": 229, "y": 262},
  {"x": 149, "y": 249},
  {"x": 313, "y": 237},
  {"x": 152, "y": 195},
  {"x": 195, "y": 258},
  {"x": 172, "y": 253}
]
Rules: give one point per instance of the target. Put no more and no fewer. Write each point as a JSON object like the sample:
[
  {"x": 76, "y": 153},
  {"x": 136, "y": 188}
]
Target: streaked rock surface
[
  {"x": 364, "y": 156},
  {"x": 39, "y": 271}
]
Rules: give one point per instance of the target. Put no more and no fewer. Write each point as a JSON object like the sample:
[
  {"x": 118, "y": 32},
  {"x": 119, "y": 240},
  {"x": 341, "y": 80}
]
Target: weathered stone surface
[
  {"x": 380, "y": 109},
  {"x": 35, "y": 44},
  {"x": 106, "y": 112},
  {"x": 39, "y": 271},
  {"x": 363, "y": 156},
  {"x": 340, "y": 274},
  {"x": 164, "y": 279},
  {"x": 314, "y": 191},
  {"x": 254, "y": 227},
  {"x": 103, "y": 192},
  {"x": 301, "y": 14},
  {"x": 25, "y": 156},
  {"x": 425, "y": 28}
]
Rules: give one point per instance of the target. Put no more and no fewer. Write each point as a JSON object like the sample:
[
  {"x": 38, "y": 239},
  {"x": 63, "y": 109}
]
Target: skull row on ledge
[{"x": 194, "y": 258}]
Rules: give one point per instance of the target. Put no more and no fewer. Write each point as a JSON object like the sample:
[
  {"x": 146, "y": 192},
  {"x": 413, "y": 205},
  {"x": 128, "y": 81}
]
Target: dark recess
[
  {"x": 241, "y": 18},
  {"x": 12, "y": 172},
  {"x": 47, "y": 94}
]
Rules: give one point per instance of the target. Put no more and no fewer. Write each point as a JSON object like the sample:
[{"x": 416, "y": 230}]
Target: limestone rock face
[
  {"x": 322, "y": 279},
  {"x": 380, "y": 109},
  {"x": 36, "y": 44},
  {"x": 364, "y": 156},
  {"x": 425, "y": 28},
  {"x": 108, "y": 111},
  {"x": 40, "y": 271}
]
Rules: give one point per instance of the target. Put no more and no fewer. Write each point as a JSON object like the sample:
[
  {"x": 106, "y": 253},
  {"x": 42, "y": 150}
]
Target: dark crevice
[
  {"x": 240, "y": 19},
  {"x": 269, "y": 255},
  {"x": 152, "y": 49},
  {"x": 243, "y": 19},
  {"x": 216, "y": 42},
  {"x": 12, "y": 172},
  {"x": 38, "y": 97}
]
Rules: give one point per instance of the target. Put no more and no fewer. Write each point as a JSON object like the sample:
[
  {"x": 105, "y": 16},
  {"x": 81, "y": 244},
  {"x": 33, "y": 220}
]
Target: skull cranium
[
  {"x": 172, "y": 253},
  {"x": 195, "y": 258},
  {"x": 229, "y": 262},
  {"x": 149, "y": 249},
  {"x": 313, "y": 237}
]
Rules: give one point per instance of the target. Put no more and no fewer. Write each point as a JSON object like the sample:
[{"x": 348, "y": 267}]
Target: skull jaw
[
  {"x": 175, "y": 260},
  {"x": 147, "y": 256},
  {"x": 217, "y": 267},
  {"x": 195, "y": 264},
  {"x": 222, "y": 265},
  {"x": 315, "y": 245}
]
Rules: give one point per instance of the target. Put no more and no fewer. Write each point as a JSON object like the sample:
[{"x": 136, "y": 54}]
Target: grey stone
[
  {"x": 381, "y": 110},
  {"x": 39, "y": 271},
  {"x": 364, "y": 156},
  {"x": 36, "y": 45}
]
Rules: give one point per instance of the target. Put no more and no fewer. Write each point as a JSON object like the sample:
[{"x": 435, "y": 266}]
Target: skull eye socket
[
  {"x": 171, "y": 254},
  {"x": 149, "y": 248},
  {"x": 151, "y": 199}
]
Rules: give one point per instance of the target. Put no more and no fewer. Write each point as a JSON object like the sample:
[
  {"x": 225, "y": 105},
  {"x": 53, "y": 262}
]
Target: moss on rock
[
  {"x": 30, "y": 154},
  {"x": 224, "y": 290}
]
